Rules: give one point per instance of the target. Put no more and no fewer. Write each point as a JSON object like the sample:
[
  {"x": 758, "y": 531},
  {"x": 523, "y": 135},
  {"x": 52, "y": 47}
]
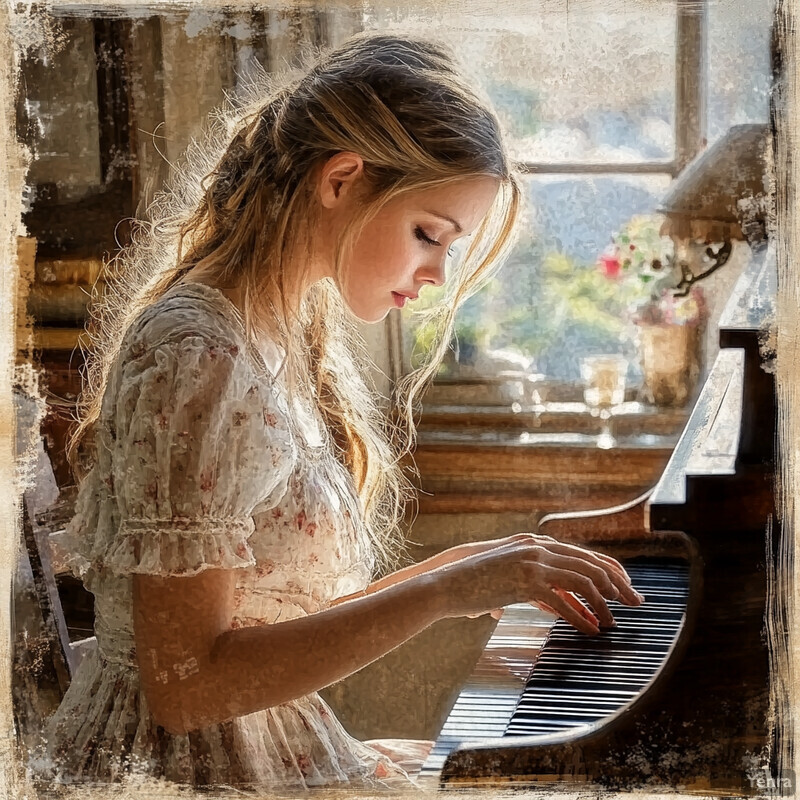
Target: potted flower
[{"x": 669, "y": 324}]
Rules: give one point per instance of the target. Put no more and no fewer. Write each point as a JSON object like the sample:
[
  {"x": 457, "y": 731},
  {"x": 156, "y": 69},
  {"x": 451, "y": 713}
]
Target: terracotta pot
[{"x": 671, "y": 362}]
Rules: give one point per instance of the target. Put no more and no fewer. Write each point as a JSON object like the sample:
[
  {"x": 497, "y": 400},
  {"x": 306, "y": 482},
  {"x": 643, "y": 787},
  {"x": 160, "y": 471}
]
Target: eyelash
[{"x": 423, "y": 237}]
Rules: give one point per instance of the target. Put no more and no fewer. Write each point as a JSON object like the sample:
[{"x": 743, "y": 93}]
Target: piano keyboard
[{"x": 537, "y": 676}]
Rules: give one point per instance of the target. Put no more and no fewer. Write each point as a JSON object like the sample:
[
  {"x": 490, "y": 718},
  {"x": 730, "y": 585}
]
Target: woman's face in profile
[{"x": 404, "y": 247}]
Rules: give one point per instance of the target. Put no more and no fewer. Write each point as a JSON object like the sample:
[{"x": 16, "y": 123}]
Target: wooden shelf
[{"x": 62, "y": 340}]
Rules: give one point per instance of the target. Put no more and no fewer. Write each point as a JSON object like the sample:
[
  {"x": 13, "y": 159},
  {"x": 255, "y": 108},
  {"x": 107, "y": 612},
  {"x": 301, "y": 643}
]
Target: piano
[{"x": 678, "y": 695}]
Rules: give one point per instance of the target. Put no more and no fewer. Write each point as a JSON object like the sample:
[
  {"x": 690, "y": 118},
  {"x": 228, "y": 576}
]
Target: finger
[
  {"x": 599, "y": 576},
  {"x": 627, "y": 589},
  {"x": 609, "y": 585},
  {"x": 496, "y": 613},
  {"x": 600, "y": 559},
  {"x": 616, "y": 572},
  {"x": 567, "y": 548},
  {"x": 580, "y": 584},
  {"x": 579, "y": 606},
  {"x": 581, "y": 619}
]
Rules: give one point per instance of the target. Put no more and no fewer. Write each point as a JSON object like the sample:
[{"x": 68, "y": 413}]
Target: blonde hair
[{"x": 403, "y": 106}]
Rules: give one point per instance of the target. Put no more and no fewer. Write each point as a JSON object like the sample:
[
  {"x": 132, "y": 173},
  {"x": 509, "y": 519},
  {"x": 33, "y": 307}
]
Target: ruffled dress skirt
[{"x": 103, "y": 733}]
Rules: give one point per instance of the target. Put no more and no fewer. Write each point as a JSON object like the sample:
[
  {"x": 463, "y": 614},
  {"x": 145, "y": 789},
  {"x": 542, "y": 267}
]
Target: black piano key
[
  {"x": 560, "y": 717},
  {"x": 577, "y": 702},
  {"x": 626, "y": 640},
  {"x": 630, "y": 641},
  {"x": 617, "y": 695},
  {"x": 586, "y": 682},
  {"x": 610, "y": 660},
  {"x": 534, "y": 730},
  {"x": 587, "y": 678},
  {"x": 585, "y": 711}
]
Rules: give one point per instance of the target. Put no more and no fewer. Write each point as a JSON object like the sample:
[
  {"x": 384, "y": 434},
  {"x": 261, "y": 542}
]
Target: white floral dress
[{"x": 200, "y": 464}]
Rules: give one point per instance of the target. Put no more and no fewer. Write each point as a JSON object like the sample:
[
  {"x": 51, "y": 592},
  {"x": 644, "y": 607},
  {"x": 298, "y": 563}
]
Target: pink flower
[
  {"x": 303, "y": 761},
  {"x": 208, "y": 480},
  {"x": 610, "y": 265},
  {"x": 266, "y": 568},
  {"x": 381, "y": 770}
]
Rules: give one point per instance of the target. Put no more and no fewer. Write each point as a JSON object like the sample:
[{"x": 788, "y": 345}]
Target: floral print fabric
[{"x": 201, "y": 464}]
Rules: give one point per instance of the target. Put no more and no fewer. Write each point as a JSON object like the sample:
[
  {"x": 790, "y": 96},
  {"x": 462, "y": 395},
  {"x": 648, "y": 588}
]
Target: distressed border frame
[{"x": 21, "y": 20}]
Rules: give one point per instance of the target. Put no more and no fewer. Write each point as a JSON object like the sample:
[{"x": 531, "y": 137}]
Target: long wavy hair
[{"x": 242, "y": 199}]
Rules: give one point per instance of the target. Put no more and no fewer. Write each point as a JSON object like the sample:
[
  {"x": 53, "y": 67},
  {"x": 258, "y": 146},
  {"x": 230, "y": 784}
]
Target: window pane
[
  {"x": 551, "y": 304},
  {"x": 738, "y": 63},
  {"x": 589, "y": 81}
]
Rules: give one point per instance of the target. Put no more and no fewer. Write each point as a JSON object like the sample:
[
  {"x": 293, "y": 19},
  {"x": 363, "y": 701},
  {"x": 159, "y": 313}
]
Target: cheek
[{"x": 382, "y": 262}]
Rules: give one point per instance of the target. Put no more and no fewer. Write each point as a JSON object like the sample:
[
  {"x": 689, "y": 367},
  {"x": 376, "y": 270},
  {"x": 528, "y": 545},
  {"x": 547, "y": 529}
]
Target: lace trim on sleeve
[{"x": 180, "y": 547}]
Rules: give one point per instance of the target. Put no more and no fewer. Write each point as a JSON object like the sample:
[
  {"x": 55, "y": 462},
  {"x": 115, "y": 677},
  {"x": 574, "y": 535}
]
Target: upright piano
[{"x": 678, "y": 694}]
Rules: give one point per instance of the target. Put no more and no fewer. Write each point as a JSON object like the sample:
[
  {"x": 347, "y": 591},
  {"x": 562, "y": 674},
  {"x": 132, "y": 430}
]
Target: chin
[
  {"x": 368, "y": 315},
  {"x": 371, "y": 318}
]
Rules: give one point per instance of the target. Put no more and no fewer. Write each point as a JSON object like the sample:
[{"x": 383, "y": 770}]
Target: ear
[{"x": 339, "y": 177}]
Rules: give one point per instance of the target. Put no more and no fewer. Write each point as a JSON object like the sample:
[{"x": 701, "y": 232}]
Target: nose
[{"x": 432, "y": 274}]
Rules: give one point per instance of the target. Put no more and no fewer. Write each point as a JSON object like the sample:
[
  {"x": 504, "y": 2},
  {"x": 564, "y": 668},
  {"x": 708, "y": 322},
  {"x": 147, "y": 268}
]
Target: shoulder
[
  {"x": 182, "y": 314},
  {"x": 185, "y": 339}
]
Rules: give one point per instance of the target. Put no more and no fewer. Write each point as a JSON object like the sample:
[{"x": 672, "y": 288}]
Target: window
[
  {"x": 738, "y": 64},
  {"x": 603, "y": 103}
]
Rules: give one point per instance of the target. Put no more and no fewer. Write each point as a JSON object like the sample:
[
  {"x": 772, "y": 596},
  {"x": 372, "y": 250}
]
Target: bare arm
[
  {"x": 438, "y": 560},
  {"x": 196, "y": 671},
  {"x": 460, "y": 551}
]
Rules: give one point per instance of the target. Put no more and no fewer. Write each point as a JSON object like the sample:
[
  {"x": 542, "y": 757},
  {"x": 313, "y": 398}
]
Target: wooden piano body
[{"x": 701, "y": 721}]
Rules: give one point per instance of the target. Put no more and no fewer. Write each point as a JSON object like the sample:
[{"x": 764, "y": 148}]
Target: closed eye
[{"x": 423, "y": 237}]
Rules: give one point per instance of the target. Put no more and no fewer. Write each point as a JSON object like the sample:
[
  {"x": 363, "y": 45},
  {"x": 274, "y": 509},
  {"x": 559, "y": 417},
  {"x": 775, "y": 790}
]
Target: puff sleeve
[{"x": 196, "y": 441}]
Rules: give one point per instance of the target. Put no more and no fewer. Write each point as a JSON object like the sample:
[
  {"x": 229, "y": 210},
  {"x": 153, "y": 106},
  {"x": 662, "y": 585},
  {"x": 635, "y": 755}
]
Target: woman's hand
[{"x": 481, "y": 578}]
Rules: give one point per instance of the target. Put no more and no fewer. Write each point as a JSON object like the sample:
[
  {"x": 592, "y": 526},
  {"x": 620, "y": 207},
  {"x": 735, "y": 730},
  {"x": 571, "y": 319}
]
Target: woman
[{"x": 239, "y": 488}]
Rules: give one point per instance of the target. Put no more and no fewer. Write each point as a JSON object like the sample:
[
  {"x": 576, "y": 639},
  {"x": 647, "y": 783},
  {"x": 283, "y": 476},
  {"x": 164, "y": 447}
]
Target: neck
[{"x": 307, "y": 258}]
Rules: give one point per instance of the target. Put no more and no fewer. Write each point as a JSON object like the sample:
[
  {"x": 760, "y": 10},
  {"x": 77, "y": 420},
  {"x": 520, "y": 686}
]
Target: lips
[{"x": 401, "y": 299}]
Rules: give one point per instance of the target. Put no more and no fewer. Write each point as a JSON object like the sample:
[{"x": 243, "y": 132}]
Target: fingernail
[{"x": 640, "y": 596}]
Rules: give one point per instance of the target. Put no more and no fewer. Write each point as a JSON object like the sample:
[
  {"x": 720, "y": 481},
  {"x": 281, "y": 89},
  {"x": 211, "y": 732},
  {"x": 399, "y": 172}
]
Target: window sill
[
  {"x": 539, "y": 459},
  {"x": 569, "y": 424}
]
